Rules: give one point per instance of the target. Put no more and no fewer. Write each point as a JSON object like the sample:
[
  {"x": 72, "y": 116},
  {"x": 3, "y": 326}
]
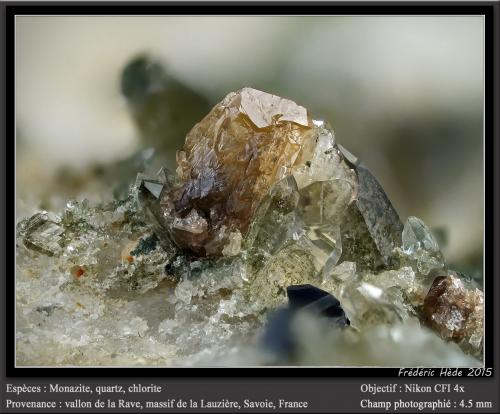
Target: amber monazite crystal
[{"x": 229, "y": 161}]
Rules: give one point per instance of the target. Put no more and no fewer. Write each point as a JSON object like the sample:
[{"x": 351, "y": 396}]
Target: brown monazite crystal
[
  {"x": 455, "y": 312},
  {"x": 229, "y": 161}
]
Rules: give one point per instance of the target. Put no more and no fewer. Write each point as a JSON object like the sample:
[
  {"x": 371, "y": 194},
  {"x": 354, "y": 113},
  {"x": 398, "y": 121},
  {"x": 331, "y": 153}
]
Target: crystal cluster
[{"x": 195, "y": 267}]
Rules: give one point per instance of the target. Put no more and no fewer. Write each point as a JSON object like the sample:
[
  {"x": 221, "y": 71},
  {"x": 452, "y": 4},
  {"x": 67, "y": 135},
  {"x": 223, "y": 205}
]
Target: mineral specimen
[
  {"x": 42, "y": 232},
  {"x": 186, "y": 268},
  {"x": 456, "y": 312},
  {"x": 373, "y": 210},
  {"x": 420, "y": 246}
]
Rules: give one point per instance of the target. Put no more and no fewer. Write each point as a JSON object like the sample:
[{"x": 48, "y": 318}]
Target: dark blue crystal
[
  {"x": 316, "y": 300},
  {"x": 302, "y": 295},
  {"x": 279, "y": 338}
]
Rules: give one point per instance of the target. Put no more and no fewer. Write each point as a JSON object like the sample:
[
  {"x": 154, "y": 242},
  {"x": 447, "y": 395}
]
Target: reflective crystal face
[
  {"x": 43, "y": 233},
  {"x": 420, "y": 246}
]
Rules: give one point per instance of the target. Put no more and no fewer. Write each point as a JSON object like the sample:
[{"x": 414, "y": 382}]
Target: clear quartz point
[{"x": 420, "y": 246}]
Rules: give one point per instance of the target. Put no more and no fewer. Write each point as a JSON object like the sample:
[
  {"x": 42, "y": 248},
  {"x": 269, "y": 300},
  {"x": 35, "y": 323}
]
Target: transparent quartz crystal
[{"x": 420, "y": 247}]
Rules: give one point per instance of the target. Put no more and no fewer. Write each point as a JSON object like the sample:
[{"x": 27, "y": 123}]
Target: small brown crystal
[{"x": 455, "y": 312}]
